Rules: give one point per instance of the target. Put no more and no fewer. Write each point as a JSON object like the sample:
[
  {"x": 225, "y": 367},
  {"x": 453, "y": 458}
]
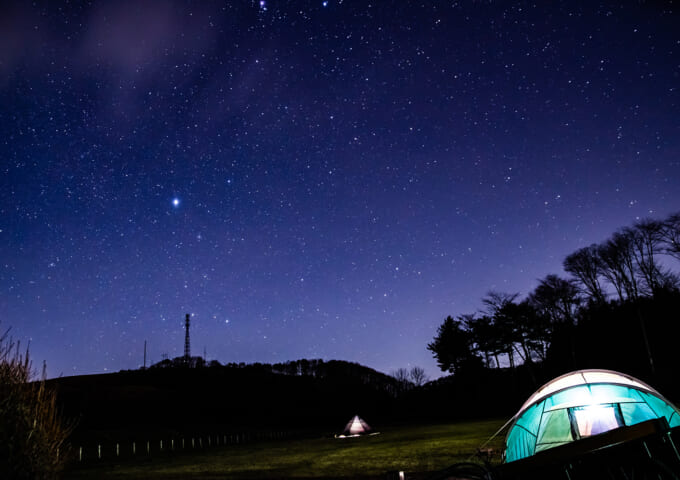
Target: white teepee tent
[{"x": 356, "y": 426}]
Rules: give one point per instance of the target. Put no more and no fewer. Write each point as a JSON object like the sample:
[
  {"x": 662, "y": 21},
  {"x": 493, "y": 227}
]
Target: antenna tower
[{"x": 187, "y": 344}]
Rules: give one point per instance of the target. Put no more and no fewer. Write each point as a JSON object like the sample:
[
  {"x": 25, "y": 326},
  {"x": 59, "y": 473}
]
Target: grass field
[{"x": 410, "y": 449}]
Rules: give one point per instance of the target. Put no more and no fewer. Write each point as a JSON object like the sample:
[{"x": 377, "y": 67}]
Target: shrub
[{"x": 32, "y": 434}]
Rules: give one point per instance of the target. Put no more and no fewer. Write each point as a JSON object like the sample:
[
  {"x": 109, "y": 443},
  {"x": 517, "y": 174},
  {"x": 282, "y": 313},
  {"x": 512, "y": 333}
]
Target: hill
[{"x": 301, "y": 395}]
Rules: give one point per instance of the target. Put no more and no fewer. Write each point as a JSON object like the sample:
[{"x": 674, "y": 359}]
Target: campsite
[
  {"x": 595, "y": 394},
  {"x": 307, "y": 439},
  {"x": 314, "y": 412},
  {"x": 567, "y": 425},
  {"x": 339, "y": 239}
]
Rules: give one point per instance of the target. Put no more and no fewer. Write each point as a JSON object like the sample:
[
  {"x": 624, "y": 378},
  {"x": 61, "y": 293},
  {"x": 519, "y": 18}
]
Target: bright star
[{"x": 175, "y": 202}]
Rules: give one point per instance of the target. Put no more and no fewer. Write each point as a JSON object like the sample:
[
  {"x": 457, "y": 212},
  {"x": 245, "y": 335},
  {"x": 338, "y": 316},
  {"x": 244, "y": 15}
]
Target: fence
[{"x": 169, "y": 445}]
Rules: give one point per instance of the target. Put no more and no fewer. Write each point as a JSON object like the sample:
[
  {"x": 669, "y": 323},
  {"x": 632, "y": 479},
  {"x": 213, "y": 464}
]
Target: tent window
[{"x": 590, "y": 420}]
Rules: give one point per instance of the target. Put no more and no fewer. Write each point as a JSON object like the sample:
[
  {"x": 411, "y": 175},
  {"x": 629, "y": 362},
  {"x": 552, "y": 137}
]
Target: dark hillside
[{"x": 233, "y": 397}]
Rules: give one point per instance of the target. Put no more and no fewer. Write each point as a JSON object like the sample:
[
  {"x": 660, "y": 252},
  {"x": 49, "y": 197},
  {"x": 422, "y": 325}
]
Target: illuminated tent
[
  {"x": 582, "y": 404},
  {"x": 356, "y": 426}
]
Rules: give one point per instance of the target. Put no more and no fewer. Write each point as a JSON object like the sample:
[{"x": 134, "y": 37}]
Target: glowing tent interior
[
  {"x": 356, "y": 426},
  {"x": 582, "y": 404}
]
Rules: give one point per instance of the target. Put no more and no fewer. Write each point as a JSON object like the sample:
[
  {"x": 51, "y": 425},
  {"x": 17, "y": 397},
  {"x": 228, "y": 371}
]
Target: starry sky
[{"x": 314, "y": 179}]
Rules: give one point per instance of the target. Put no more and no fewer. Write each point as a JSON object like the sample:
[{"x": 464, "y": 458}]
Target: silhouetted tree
[
  {"x": 485, "y": 340},
  {"x": 503, "y": 325},
  {"x": 417, "y": 376},
  {"x": 402, "y": 376},
  {"x": 670, "y": 236},
  {"x": 586, "y": 267},
  {"x": 452, "y": 346},
  {"x": 478, "y": 337},
  {"x": 519, "y": 328},
  {"x": 648, "y": 241},
  {"x": 563, "y": 317},
  {"x": 527, "y": 332},
  {"x": 618, "y": 261},
  {"x": 495, "y": 301},
  {"x": 558, "y": 300}
]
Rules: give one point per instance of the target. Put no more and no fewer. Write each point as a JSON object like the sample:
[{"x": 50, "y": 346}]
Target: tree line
[
  {"x": 315, "y": 368},
  {"x": 619, "y": 276}
]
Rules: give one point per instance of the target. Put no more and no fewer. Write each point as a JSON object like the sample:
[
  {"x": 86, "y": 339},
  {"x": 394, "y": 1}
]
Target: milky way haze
[{"x": 314, "y": 179}]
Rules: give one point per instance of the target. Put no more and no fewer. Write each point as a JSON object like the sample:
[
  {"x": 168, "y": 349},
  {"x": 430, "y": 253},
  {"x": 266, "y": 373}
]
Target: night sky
[{"x": 314, "y": 179}]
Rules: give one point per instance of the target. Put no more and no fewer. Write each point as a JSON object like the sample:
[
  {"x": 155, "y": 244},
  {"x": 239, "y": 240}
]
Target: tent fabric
[
  {"x": 584, "y": 377},
  {"x": 356, "y": 426},
  {"x": 581, "y": 404}
]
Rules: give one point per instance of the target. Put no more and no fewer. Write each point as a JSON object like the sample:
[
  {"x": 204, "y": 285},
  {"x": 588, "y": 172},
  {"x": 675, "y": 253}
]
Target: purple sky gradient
[{"x": 348, "y": 175}]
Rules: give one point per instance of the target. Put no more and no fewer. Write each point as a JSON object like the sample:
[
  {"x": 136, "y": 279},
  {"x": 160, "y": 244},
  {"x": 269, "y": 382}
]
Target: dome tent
[{"x": 582, "y": 404}]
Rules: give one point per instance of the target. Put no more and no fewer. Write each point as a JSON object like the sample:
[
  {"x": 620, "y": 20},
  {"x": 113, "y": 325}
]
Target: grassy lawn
[{"x": 411, "y": 449}]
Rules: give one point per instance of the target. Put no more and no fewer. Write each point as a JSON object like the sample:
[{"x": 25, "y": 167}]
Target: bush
[{"x": 32, "y": 434}]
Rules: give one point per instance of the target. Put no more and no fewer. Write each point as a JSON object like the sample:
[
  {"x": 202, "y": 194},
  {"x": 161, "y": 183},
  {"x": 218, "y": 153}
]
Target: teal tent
[{"x": 582, "y": 404}]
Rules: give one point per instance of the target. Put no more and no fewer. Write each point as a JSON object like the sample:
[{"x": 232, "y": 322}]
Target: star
[{"x": 344, "y": 204}]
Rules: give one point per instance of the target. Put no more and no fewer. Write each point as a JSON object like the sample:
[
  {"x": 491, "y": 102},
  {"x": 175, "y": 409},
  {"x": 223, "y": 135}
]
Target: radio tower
[{"x": 187, "y": 345}]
